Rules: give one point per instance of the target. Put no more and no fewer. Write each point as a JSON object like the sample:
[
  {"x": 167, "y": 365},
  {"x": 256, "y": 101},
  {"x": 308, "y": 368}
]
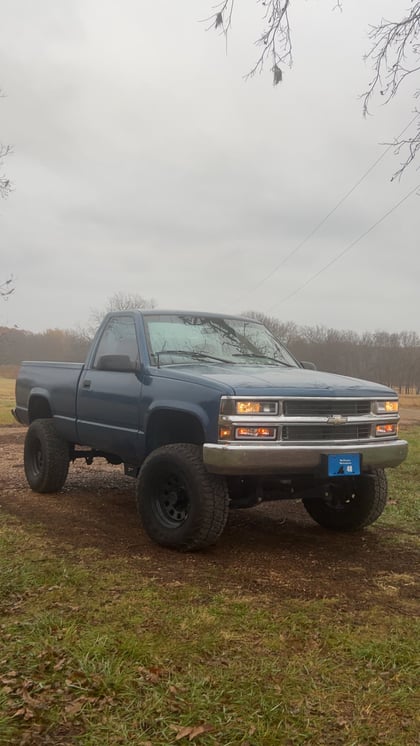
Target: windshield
[{"x": 176, "y": 339}]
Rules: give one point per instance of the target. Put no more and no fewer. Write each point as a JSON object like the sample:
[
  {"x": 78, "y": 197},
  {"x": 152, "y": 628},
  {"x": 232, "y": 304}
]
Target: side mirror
[
  {"x": 121, "y": 363},
  {"x": 308, "y": 365}
]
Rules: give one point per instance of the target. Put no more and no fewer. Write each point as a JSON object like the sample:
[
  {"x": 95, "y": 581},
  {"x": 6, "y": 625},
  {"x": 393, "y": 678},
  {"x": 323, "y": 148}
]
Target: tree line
[
  {"x": 391, "y": 358},
  {"x": 53, "y": 344}
]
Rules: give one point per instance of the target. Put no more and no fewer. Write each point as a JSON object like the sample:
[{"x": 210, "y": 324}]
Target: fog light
[
  {"x": 255, "y": 433},
  {"x": 386, "y": 430}
]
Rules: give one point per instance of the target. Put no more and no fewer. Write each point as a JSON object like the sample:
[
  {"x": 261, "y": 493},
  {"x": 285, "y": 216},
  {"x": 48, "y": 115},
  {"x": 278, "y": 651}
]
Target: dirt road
[{"x": 274, "y": 549}]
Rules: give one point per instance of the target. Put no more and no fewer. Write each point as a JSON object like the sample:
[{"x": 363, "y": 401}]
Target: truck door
[{"x": 108, "y": 399}]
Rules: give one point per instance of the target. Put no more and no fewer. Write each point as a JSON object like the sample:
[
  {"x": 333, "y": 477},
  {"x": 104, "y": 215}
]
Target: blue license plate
[{"x": 344, "y": 466}]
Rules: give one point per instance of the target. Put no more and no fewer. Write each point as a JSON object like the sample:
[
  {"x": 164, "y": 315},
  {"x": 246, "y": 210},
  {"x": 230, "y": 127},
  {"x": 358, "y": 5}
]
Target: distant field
[
  {"x": 9, "y": 371},
  {"x": 7, "y": 400},
  {"x": 410, "y": 400}
]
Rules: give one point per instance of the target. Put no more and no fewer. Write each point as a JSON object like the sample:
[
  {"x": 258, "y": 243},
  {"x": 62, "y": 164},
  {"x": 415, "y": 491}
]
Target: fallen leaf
[
  {"x": 199, "y": 730},
  {"x": 59, "y": 665},
  {"x": 190, "y": 731},
  {"x": 183, "y": 733},
  {"x": 28, "y": 699},
  {"x": 152, "y": 674},
  {"x": 75, "y": 707}
]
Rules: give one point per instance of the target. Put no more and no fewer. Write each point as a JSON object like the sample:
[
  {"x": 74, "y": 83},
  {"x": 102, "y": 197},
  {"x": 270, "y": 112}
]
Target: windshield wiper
[
  {"x": 262, "y": 357},
  {"x": 194, "y": 355}
]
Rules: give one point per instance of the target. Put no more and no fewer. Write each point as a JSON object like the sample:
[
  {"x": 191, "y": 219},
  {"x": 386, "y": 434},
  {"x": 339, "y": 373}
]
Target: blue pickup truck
[{"x": 210, "y": 412}]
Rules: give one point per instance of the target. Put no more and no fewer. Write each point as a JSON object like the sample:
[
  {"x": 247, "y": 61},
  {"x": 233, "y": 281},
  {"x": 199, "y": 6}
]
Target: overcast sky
[{"x": 144, "y": 163}]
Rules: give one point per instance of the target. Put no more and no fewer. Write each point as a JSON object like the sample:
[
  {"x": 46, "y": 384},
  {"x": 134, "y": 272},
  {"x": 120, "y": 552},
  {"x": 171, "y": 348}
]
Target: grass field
[
  {"x": 94, "y": 653},
  {"x": 7, "y": 400},
  {"x": 410, "y": 400}
]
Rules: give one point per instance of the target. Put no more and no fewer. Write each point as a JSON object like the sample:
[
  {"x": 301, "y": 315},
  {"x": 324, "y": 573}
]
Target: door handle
[{"x": 86, "y": 384}]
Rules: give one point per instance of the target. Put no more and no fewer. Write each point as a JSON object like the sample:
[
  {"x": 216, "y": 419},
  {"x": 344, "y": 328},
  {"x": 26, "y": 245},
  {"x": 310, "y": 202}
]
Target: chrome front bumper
[{"x": 244, "y": 459}]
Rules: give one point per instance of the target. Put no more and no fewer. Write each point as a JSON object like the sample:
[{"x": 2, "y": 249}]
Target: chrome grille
[
  {"x": 325, "y": 407},
  {"x": 326, "y": 432}
]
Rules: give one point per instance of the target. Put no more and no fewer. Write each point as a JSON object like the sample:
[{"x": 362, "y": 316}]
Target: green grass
[
  {"x": 403, "y": 509},
  {"x": 103, "y": 656},
  {"x": 7, "y": 400},
  {"x": 93, "y": 653}
]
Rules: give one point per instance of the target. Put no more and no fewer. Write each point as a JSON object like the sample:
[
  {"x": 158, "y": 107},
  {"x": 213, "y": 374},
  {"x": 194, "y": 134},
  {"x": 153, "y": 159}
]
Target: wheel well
[
  {"x": 39, "y": 408},
  {"x": 166, "y": 427}
]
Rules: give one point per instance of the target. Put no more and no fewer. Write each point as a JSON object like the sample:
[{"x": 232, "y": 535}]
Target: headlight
[
  {"x": 386, "y": 407},
  {"x": 249, "y": 406}
]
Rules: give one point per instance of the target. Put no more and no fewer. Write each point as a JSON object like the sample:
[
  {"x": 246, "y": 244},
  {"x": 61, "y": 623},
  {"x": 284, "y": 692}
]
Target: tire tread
[
  {"x": 214, "y": 499},
  {"x": 56, "y": 455},
  {"x": 368, "y": 505}
]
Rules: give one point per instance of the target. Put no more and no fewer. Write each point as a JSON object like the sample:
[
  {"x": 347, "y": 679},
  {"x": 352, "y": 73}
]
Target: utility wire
[
  {"x": 331, "y": 212},
  {"x": 346, "y": 250}
]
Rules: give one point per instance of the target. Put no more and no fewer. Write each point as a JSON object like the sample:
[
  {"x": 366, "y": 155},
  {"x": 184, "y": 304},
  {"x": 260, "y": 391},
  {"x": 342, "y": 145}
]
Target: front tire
[
  {"x": 352, "y": 505},
  {"x": 181, "y": 505},
  {"x": 46, "y": 457}
]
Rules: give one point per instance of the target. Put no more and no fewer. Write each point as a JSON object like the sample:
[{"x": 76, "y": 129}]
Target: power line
[
  {"x": 331, "y": 212},
  {"x": 347, "y": 249}
]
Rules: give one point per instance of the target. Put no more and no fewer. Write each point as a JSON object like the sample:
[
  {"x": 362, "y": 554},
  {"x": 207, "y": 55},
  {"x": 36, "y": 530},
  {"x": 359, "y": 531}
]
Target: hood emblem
[{"x": 337, "y": 419}]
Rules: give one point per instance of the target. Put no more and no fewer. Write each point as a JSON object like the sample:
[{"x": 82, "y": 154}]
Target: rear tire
[
  {"x": 46, "y": 457},
  {"x": 353, "y": 505},
  {"x": 181, "y": 505}
]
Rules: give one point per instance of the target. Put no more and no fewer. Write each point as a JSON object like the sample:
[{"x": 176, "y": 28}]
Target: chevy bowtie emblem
[{"x": 337, "y": 419}]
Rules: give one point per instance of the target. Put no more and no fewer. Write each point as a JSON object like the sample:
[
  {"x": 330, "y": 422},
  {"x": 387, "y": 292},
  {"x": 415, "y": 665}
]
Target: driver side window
[{"x": 118, "y": 347}]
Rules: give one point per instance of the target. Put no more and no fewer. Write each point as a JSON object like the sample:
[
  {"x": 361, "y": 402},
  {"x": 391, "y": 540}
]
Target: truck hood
[{"x": 269, "y": 380}]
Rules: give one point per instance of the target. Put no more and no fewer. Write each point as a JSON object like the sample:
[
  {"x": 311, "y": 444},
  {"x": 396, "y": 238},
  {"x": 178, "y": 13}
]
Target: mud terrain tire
[
  {"x": 353, "y": 508},
  {"x": 180, "y": 504},
  {"x": 46, "y": 457}
]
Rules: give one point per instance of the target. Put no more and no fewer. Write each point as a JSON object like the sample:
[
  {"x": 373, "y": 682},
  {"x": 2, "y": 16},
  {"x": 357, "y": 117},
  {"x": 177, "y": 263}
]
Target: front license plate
[{"x": 344, "y": 466}]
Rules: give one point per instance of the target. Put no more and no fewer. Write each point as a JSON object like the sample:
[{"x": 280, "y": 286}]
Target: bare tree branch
[
  {"x": 5, "y": 183},
  {"x": 275, "y": 40},
  {"x": 395, "y": 55},
  {"x": 119, "y": 301},
  {"x": 7, "y": 288},
  {"x": 222, "y": 17},
  {"x": 408, "y": 147}
]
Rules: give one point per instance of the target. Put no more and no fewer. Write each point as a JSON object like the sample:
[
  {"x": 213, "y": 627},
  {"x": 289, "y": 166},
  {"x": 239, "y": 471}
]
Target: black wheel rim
[
  {"x": 340, "y": 499},
  {"x": 37, "y": 458},
  {"x": 171, "y": 501}
]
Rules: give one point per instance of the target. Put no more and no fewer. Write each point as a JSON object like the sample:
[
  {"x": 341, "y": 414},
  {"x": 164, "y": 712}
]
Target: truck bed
[{"x": 59, "y": 387}]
